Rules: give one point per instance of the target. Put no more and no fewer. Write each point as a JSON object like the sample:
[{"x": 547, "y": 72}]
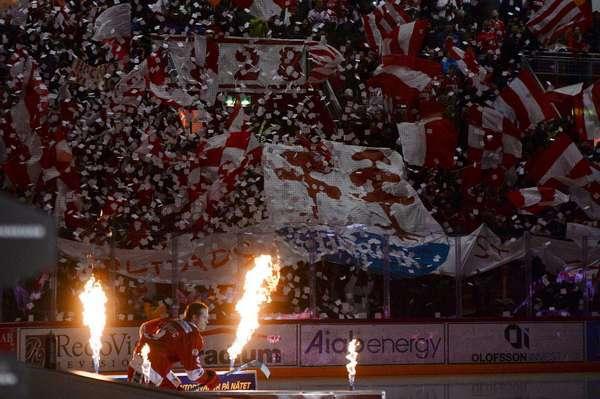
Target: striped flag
[
  {"x": 524, "y": 102},
  {"x": 404, "y": 76},
  {"x": 533, "y": 200},
  {"x": 550, "y": 21},
  {"x": 562, "y": 162},
  {"x": 405, "y": 39},
  {"x": 382, "y": 21},
  {"x": 325, "y": 61},
  {"x": 468, "y": 65}
]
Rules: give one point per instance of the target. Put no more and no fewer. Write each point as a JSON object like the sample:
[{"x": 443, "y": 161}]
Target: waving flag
[
  {"x": 405, "y": 39},
  {"x": 382, "y": 22},
  {"x": 524, "y": 102},
  {"x": 468, "y": 65},
  {"x": 534, "y": 200},
  {"x": 24, "y": 126},
  {"x": 493, "y": 140},
  {"x": 404, "y": 76},
  {"x": 429, "y": 142},
  {"x": 562, "y": 159},
  {"x": 550, "y": 21},
  {"x": 563, "y": 165},
  {"x": 325, "y": 61}
]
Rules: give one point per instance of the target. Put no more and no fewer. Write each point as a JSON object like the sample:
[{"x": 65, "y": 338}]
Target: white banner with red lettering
[
  {"x": 212, "y": 260},
  {"x": 259, "y": 64}
]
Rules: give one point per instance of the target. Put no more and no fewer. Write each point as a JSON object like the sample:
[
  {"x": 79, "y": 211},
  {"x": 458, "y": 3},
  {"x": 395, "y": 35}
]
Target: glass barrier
[
  {"x": 350, "y": 274},
  {"x": 325, "y": 273},
  {"x": 558, "y": 278}
]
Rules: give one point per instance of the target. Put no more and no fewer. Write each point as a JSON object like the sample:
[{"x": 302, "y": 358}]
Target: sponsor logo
[
  {"x": 35, "y": 350},
  {"x": 220, "y": 357},
  {"x": 75, "y": 353},
  {"x": 419, "y": 347},
  {"x": 516, "y": 336}
]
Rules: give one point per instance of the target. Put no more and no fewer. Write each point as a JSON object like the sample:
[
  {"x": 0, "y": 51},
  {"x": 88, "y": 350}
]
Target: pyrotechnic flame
[
  {"x": 260, "y": 281},
  {"x": 146, "y": 363},
  {"x": 351, "y": 366},
  {"x": 94, "y": 316}
]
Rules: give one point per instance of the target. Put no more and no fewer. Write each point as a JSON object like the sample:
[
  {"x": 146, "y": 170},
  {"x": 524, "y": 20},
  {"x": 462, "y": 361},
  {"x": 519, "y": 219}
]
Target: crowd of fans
[{"x": 125, "y": 194}]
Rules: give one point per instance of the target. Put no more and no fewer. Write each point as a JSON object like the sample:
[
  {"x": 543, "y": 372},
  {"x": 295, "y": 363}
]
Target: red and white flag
[
  {"x": 524, "y": 102},
  {"x": 430, "y": 142},
  {"x": 550, "y": 21},
  {"x": 562, "y": 163},
  {"x": 324, "y": 60},
  {"x": 533, "y": 200},
  {"x": 221, "y": 161},
  {"x": 468, "y": 65},
  {"x": 382, "y": 22},
  {"x": 404, "y": 76},
  {"x": 493, "y": 140},
  {"x": 405, "y": 39},
  {"x": 24, "y": 126}
]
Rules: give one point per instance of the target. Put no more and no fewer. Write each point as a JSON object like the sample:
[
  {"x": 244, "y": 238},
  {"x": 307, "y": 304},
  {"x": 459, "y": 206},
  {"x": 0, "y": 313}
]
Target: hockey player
[{"x": 172, "y": 341}]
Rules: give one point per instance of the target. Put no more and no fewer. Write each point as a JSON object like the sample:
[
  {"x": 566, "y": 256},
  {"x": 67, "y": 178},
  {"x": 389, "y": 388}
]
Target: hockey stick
[{"x": 252, "y": 363}]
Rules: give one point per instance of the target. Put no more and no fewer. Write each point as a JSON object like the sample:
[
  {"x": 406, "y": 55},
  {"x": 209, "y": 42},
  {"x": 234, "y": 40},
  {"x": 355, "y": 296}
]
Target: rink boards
[{"x": 316, "y": 345}]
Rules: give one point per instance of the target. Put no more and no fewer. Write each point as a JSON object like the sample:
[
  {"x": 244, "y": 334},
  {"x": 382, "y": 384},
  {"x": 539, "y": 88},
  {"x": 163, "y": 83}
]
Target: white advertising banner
[
  {"x": 326, "y": 344},
  {"x": 515, "y": 342},
  {"x": 260, "y": 64},
  {"x": 73, "y": 350},
  {"x": 275, "y": 345}
]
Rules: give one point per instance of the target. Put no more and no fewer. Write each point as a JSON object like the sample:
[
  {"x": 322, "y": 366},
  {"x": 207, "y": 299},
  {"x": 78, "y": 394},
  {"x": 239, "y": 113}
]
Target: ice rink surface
[{"x": 483, "y": 386}]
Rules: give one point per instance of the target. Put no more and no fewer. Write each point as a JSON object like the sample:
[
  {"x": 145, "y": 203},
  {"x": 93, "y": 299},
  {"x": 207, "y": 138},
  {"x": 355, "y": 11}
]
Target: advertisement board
[
  {"x": 275, "y": 345},
  {"x": 73, "y": 350},
  {"x": 515, "y": 342},
  {"x": 326, "y": 344}
]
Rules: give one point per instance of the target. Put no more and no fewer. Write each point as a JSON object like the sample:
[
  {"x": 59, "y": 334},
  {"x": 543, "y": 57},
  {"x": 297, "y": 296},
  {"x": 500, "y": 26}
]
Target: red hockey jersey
[{"x": 173, "y": 341}]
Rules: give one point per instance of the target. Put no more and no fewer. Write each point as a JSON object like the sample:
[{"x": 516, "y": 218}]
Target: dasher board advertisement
[
  {"x": 326, "y": 344},
  {"x": 274, "y": 345},
  {"x": 73, "y": 349},
  {"x": 515, "y": 342}
]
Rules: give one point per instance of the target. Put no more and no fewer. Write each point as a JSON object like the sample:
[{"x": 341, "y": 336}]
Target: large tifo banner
[
  {"x": 515, "y": 342},
  {"x": 326, "y": 344}
]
